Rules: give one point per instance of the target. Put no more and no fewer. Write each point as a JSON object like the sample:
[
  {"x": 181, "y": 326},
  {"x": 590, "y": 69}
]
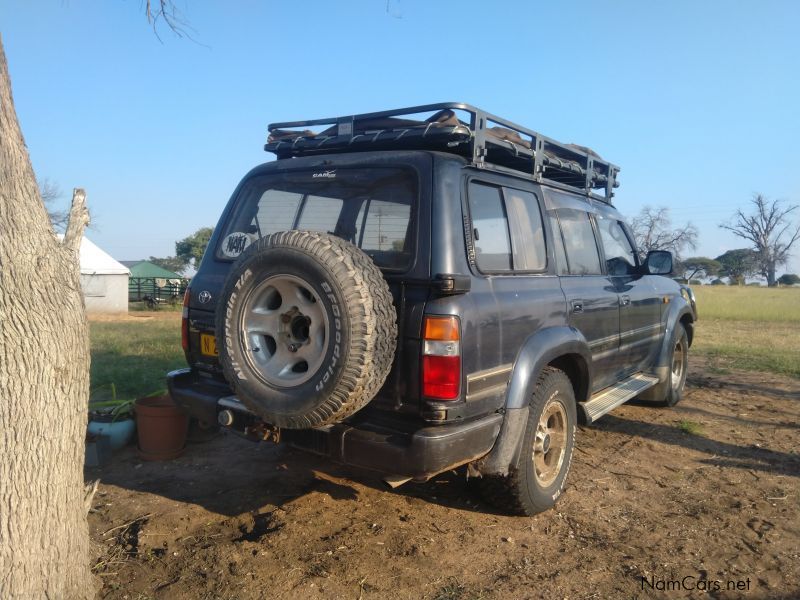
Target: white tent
[{"x": 103, "y": 279}]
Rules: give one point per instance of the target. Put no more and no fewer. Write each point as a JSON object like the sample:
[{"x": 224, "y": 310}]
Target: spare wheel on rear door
[{"x": 306, "y": 329}]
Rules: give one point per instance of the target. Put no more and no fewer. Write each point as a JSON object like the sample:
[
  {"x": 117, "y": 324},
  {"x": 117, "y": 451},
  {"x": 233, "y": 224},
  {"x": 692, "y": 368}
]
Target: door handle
[
  {"x": 577, "y": 306},
  {"x": 625, "y": 300}
]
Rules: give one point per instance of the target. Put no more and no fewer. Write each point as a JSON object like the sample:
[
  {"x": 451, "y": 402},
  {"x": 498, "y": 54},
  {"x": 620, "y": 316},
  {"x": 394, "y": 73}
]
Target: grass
[
  {"x": 739, "y": 328},
  {"x": 691, "y": 427},
  {"x": 135, "y": 353},
  {"x": 744, "y": 303},
  {"x": 749, "y": 328}
]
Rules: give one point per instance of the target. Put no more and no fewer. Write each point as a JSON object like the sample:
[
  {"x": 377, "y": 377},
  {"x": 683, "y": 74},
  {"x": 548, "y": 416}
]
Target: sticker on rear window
[{"x": 236, "y": 243}]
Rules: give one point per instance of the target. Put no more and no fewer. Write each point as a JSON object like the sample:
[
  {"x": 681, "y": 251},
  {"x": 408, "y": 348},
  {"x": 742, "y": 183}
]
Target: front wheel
[
  {"x": 679, "y": 365},
  {"x": 538, "y": 479}
]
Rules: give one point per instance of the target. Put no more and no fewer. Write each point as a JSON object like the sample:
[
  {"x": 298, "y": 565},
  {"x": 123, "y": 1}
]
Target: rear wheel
[{"x": 540, "y": 474}]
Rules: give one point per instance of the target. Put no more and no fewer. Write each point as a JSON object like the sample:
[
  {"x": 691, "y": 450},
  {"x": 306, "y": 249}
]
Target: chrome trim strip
[
  {"x": 482, "y": 382},
  {"x": 603, "y": 341},
  {"x": 640, "y": 330}
]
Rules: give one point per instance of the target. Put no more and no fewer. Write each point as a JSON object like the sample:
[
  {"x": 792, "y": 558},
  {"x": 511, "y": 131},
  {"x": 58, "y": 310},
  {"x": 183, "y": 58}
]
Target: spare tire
[{"x": 306, "y": 329}]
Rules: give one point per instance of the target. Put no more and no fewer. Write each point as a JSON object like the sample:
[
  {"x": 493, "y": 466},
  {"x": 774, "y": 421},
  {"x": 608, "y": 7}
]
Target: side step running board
[{"x": 610, "y": 398}]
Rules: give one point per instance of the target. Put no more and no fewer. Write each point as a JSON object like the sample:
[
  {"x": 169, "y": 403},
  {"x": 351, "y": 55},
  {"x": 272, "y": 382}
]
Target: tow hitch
[{"x": 237, "y": 417}]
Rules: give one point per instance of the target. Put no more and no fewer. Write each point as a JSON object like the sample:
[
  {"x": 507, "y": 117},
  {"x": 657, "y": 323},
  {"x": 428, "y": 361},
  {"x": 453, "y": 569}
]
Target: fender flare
[
  {"x": 679, "y": 308},
  {"x": 539, "y": 350}
]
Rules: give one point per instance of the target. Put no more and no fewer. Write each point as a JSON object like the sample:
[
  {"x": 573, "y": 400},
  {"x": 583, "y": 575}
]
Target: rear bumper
[
  {"x": 196, "y": 394},
  {"x": 397, "y": 449}
]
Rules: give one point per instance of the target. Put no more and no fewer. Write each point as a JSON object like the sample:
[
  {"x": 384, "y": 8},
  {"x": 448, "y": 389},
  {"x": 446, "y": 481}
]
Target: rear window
[{"x": 371, "y": 208}]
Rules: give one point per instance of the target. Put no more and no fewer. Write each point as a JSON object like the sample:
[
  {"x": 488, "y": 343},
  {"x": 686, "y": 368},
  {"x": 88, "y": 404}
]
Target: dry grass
[
  {"x": 747, "y": 303},
  {"x": 749, "y": 328}
]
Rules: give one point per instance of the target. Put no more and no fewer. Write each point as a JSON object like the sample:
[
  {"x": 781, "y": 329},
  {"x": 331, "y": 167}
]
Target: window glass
[
  {"x": 320, "y": 214},
  {"x": 372, "y": 208},
  {"x": 382, "y": 225},
  {"x": 527, "y": 233},
  {"x": 276, "y": 212},
  {"x": 490, "y": 228},
  {"x": 579, "y": 242},
  {"x": 562, "y": 268},
  {"x": 620, "y": 257}
]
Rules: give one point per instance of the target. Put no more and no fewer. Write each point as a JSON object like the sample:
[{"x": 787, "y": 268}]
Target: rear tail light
[
  {"x": 185, "y": 321},
  {"x": 441, "y": 358}
]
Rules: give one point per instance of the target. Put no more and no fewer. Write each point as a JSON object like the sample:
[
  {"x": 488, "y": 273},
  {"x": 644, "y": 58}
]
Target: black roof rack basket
[{"x": 486, "y": 140}]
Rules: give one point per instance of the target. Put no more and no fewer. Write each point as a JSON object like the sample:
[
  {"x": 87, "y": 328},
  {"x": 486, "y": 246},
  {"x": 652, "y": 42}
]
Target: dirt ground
[{"x": 651, "y": 510}]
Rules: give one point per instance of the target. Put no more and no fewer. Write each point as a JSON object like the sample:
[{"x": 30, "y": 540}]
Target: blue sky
[{"x": 698, "y": 102}]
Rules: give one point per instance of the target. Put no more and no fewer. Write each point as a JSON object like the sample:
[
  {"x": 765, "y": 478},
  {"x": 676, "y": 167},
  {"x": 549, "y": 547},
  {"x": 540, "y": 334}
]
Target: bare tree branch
[
  {"x": 51, "y": 193},
  {"x": 78, "y": 220},
  {"x": 165, "y": 11},
  {"x": 652, "y": 230},
  {"x": 767, "y": 229}
]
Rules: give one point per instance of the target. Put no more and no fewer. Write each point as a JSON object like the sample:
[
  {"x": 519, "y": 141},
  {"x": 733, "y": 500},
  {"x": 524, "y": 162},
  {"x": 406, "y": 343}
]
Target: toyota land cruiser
[{"x": 414, "y": 290}]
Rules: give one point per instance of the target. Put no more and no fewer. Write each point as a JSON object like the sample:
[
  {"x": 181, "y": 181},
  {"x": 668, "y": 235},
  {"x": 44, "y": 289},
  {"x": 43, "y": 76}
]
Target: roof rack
[{"x": 488, "y": 141}]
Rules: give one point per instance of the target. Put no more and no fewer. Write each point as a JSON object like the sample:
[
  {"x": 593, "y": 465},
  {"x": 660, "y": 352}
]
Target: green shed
[{"x": 151, "y": 283}]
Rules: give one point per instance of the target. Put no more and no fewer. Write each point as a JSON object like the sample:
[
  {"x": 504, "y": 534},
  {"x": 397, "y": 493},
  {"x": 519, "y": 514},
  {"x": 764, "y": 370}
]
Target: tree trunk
[
  {"x": 771, "y": 274},
  {"x": 44, "y": 383}
]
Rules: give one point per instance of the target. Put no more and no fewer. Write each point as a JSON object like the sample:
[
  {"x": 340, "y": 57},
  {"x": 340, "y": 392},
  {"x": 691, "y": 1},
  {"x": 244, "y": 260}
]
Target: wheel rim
[
  {"x": 678, "y": 367},
  {"x": 550, "y": 443},
  {"x": 285, "y": 329}
]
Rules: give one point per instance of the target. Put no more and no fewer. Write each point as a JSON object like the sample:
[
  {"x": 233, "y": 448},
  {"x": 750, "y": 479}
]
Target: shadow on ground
[
  {"x": 230, "y": 476},
  {"x": 721, "y": 454}
]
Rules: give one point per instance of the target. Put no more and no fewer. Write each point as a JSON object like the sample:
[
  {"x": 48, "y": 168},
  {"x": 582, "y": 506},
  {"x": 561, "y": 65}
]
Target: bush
[
  {"x": 718, "y": 282},
  {"x": 789, "y": 279}
]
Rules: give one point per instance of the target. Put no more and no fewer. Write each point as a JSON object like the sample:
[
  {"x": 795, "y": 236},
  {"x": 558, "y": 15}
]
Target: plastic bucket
[
  {"x": 162, "y": 428},
  {"x": 118, "y": 432}
]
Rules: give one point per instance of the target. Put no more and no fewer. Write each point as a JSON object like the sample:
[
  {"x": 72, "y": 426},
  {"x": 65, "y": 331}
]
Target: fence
[{"x": 143, "y": 288}]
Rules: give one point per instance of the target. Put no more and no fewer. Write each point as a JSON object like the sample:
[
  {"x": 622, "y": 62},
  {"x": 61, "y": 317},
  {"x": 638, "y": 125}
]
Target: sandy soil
[
  {"x": 148, "y": 315},
  {"x": 650, "y": 511}
]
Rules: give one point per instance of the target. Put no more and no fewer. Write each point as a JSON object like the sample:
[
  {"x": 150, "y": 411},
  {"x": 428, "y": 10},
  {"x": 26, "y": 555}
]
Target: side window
[
  {"x": 579, "y": 242},
  {"x": 490, "y": 228},
  {"x": 562, "y": 268},
  {"x": 527, "y": 233},
  {"x": 620, "y": 256}
]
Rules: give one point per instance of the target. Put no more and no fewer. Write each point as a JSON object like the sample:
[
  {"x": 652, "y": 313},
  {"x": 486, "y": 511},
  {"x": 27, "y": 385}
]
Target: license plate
[{"x": 208, "y": 345}]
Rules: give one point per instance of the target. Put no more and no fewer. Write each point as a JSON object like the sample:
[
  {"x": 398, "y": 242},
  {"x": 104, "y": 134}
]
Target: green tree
[
  {"x": 190, "y": 249},
  {"x": 788, "y": 279},
  {"x": 700, "y": 266},
  {"x": 738, "y": 264}
]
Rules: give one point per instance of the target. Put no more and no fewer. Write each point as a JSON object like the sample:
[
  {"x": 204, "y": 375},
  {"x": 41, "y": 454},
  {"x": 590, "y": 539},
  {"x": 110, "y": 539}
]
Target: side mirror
[{"x": 658, "y": 262}]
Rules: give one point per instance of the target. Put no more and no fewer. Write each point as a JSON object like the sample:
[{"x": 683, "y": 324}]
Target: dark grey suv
[{"x": 414, "y": 290}]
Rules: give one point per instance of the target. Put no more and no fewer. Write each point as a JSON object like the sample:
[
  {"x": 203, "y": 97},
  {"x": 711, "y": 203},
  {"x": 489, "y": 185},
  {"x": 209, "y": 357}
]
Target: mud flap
[{"x": 505, "y": 451}]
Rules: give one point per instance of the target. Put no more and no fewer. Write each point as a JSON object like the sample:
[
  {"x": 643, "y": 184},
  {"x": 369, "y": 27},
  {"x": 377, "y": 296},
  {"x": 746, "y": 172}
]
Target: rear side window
[
  {"x": 579, "y": 242},
  {"x": 371, "y": 208},
  {"x": 620, "y": 256},
  {"x": 490, "y": 228}
]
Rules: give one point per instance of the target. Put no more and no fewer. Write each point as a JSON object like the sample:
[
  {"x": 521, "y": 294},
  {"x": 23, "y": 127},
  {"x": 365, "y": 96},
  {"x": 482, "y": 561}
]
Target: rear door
[{"x": 516, "y": 291}]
